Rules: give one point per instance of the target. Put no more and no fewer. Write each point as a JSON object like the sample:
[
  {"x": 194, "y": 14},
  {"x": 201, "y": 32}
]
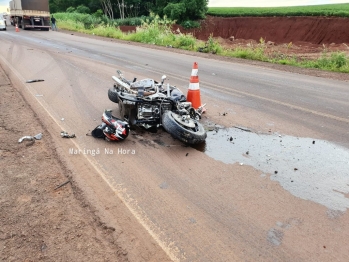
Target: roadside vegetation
[
  {"x": 157, "y": 31},
  {"x": 154, "y": 30},
  {"x": 339, "y": 10}
]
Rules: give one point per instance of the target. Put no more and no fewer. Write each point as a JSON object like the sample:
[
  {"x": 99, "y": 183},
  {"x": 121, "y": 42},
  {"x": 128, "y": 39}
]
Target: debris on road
[
  {"x": 35, "y": 80},
  {"x": 30, "y": 138},
  {"x": 201, "y": 109},
  {"x": 243, "y": 128},
  {"x": 63, "y": 184},
  {"x": 66, "y": 135}
]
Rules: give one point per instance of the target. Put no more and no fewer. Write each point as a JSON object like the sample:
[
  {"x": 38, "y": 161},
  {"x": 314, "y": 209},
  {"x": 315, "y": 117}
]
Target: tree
[
  {"x": 107, "y": 8},
  {"x": 180, "y": 9},
  {"x": 121, "y": 5},
  {"x": 175, "y": 11}
]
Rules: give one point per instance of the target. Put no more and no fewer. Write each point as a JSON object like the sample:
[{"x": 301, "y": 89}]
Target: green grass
[
  {"x": 341, "y": 10},
  {"x": 157, "y": 31}
]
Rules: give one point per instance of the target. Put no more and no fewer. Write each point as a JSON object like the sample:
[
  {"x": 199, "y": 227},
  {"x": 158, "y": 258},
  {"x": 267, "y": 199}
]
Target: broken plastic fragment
[
  {"x": 66, "y": 135},
  {"x": 38, "y": 136},
  {"x": 35, "y": 80},
  {"x": 201, "y": 109}
]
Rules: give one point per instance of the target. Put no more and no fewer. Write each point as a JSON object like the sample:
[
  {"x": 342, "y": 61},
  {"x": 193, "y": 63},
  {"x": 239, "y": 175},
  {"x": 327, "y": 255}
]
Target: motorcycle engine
[{"x": 152, "y": 111}]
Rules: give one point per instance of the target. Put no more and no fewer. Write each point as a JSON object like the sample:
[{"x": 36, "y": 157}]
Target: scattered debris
[
  {"x": 241, "y": 164},
  {"x": 313, "y": 142},
  {"x": 243, "y": 128},
  {"x": 66, "y": 135},
  {"x": 295, "y": 169},
  {"x": 186, "y": 154},
  {"x": 192, "y": 220},
  {"x": 35, "y": 80},
  {"x": 63, "y": 184},
  {"x": 231, "y": 138},
  {"x": 38, "y": 95},
  {"x": 201, "y": 109},
  {"x": 275, "y": 172},
  {"x": 247, "y": 152},
  {"x": 30, "y": 138},
  {"x": 163, "y": 185},
  {"x": 62, "y": 119}
]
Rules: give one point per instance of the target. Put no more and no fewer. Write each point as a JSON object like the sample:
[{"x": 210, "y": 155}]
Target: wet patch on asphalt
[{"x": 310, "y": 169}]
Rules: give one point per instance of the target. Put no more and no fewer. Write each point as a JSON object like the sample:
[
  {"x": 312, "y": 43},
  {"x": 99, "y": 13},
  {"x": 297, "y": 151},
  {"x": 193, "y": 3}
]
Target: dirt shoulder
[{"x": 40, "y": 220}]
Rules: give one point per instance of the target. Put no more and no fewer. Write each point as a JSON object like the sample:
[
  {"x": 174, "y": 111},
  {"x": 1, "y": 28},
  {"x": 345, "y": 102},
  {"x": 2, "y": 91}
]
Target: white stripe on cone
[
  {"x": 194, "y": 86},
  {"x": 194, "y": 72}
]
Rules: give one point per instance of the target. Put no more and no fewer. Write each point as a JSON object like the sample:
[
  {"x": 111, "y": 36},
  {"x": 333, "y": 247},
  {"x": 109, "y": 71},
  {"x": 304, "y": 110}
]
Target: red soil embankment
[{"x": 316, "y": 30}]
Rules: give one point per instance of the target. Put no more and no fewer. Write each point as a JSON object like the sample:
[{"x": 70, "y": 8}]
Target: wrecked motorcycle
[
  {"x": 150, "y": 104},
  {"x": 112, "y": 128}
]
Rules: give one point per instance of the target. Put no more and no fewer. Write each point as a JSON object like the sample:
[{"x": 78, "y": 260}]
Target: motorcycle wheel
[
  {"x": 113, "y": 96},
  {"x": 183, "y": 133}
]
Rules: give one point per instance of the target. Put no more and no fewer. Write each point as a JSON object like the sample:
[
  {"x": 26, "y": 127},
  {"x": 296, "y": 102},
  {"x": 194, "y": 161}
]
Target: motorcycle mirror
[{"x": 163, "y": 77}]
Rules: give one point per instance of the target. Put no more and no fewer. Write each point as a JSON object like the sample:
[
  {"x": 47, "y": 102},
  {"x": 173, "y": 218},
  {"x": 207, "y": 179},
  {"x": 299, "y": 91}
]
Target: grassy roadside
[
  {"x": 339, "y": 10},
  {"x": 157, "y": 31}
]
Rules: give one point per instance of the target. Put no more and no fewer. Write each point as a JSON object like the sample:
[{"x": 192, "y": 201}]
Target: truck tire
[
  {"x": 183, "y": 133},
  {"x": 113, "y": 96}
]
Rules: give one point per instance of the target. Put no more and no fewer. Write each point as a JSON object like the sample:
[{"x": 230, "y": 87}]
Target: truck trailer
[{"x": 28, "y": 14}]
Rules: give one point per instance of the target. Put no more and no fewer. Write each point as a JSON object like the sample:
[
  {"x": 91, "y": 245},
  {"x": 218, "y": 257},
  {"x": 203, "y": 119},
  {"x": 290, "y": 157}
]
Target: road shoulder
[{"x": 43, "y": 216}]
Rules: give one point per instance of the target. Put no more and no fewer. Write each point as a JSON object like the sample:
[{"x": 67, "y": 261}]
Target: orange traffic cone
[
  {"x": 17, "y": 30},
  {"x": 193, "y": 95}
]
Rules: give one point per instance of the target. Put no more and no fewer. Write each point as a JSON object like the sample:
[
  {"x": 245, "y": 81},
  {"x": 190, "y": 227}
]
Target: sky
[{"x": 242, "y": 3}]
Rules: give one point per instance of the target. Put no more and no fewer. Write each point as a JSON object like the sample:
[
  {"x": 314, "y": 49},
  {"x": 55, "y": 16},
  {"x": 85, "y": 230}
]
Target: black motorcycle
[{"x": 150, "y": 104}]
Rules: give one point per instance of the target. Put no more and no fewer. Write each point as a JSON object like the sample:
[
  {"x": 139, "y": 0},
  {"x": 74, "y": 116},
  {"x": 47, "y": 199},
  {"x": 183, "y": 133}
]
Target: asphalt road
[{"x": 205, "y": 204}]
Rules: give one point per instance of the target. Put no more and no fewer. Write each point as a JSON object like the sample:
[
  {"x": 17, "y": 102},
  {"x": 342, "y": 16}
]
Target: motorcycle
[{"x": 150, "y": 104}]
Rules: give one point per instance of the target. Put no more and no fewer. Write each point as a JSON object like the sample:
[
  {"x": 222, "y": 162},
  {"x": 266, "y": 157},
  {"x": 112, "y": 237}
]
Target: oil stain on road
[{"x": 310, "y": 169}]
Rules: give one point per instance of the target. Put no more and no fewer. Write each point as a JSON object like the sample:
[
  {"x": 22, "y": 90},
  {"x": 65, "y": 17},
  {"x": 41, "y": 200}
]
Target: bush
[
  {"x": 175, "y": 11},
  {"x": 190, "y": 24},
  {"x": 99, "y": 13},
  {"x": 82, "y": 9},
  {"x": 70, "y": 9}
]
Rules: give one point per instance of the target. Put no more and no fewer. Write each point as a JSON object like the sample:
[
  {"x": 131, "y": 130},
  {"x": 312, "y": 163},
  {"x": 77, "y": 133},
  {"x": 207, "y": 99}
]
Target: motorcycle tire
[
  {"x": 113, "y": 96},
  {"x": 183, "y": 133}
]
